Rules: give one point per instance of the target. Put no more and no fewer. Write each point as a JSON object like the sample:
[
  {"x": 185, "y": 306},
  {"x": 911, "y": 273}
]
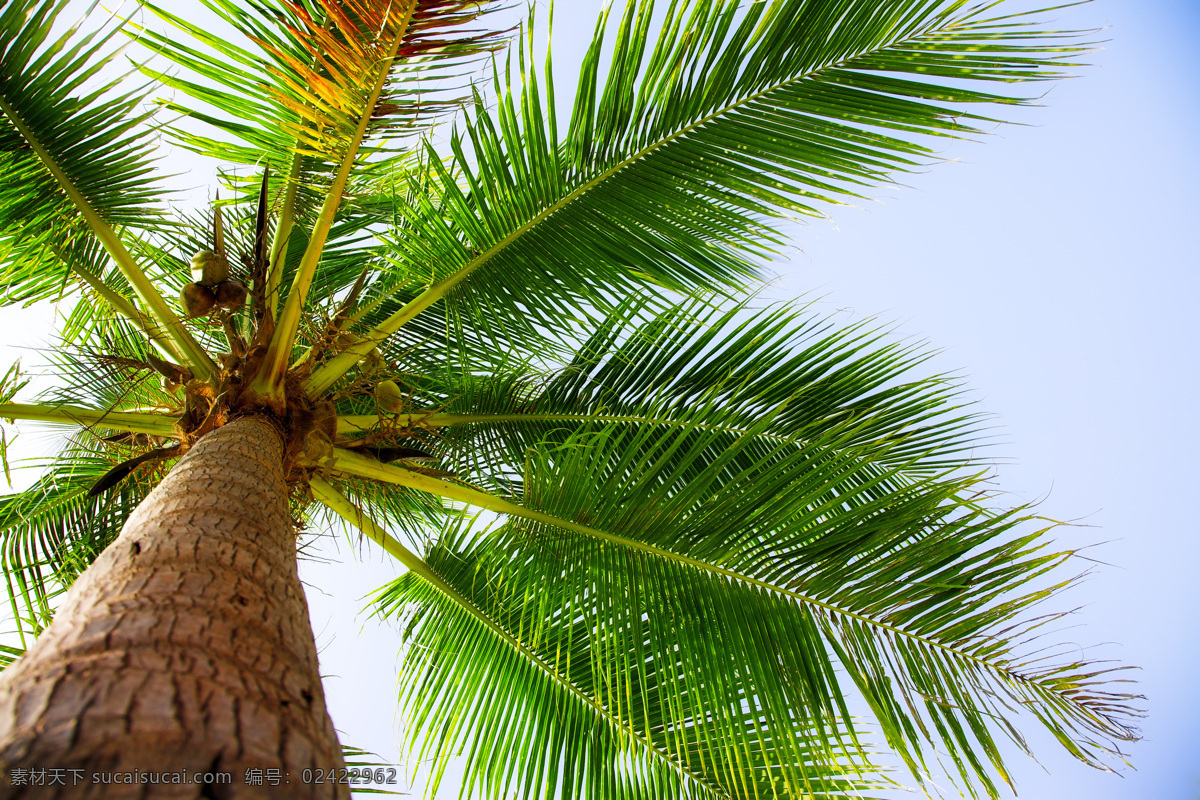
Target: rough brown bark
[{"x": 186, "y": 647}]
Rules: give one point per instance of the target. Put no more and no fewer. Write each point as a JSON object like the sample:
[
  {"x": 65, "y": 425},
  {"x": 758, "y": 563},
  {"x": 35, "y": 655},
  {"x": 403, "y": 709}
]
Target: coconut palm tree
[{"x": 661, "y": 539}]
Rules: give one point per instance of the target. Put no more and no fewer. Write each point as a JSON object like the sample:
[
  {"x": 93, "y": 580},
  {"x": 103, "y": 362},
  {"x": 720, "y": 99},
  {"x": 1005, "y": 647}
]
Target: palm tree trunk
[{"x": 186, "y": 647}]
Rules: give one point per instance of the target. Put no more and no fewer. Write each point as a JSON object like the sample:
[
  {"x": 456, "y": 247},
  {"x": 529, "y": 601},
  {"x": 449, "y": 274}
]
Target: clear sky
[{"x": 1055, "y": 265}]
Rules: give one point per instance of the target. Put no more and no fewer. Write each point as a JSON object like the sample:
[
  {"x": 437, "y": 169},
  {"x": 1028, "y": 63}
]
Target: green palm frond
[
  {"x": 116, "y": 379},
  {"x": 290, "y": 79},
  {"x": 47, "y": 272},
  {"x": 317, "y": 92},
  {"x": 74, "y": 160},
  {"x": 9, "y": 654},
  {"x": 385, "y": 197},
  {"x": 343, "y": 93},
  {"x": 91, "y": 313},
  {"x": 690, "y": 366},
  {"x": 454, "y": 341},
  {"x": 545, "y": 679},
  {"x": 97, "y": 135},
  {"x": 676, "y": 167},
  {"x": 909, "y": 584},
  {"x": 51, "y": 532}
]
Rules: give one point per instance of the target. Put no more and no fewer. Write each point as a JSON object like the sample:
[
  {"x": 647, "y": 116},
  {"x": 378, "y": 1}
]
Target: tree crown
[{"x": 714, "y": 518}]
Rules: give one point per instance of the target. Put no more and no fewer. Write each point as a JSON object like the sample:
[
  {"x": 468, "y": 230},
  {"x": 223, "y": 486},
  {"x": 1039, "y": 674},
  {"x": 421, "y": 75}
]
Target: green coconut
[
  {"x": 209, "y": 268},
  {"x": 388, "y": 395}
]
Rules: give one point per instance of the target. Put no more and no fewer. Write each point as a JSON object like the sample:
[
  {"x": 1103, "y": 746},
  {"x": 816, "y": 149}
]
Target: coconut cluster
[{"x": 211, "y": 286}]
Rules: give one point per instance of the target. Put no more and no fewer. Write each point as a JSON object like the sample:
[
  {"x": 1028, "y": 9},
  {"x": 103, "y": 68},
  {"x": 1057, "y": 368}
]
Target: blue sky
[{"x": 1052, "y": 265}]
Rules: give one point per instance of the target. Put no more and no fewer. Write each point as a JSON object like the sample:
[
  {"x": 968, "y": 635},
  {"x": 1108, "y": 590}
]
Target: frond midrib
[
  {"x": 798, "y": 596},
  {"x": 440, "y": 419}
]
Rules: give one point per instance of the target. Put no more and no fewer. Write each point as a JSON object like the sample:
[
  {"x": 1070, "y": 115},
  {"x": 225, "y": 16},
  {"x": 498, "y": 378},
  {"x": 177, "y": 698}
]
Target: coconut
[
  {"x": 209, "y": 268},
  {"x": 231, "y": 295},
  {"x": 197, "y": 300},
  {"x": 388, "y": 396}
]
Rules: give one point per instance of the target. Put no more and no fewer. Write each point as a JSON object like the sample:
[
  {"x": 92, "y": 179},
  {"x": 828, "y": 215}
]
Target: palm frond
[
  {"x": 690, "y": 366},
  {"x": 510, "y": 663},
  {"x": 340, "y": 99},
  {"x": 608, "y": 756},
  {"x": 107, "y": 309},
  {"x": 73, "y": 166},
  {"x": 676, "y": 167},
  {"x": 294, "y": 81},
  {"x": 918, "y": 588},
  {"x": 317, "y": 89},
  {"x": 53, "y": 530},
  {"x": 108, "y": 375},
  {"x": 9, "y": 654},
  {"x": 380, "y": 199},
  {"x": 100, "y": 139}
]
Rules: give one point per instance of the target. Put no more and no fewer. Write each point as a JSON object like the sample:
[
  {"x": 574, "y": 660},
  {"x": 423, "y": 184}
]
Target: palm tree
[{"x": 660, "y": 538}]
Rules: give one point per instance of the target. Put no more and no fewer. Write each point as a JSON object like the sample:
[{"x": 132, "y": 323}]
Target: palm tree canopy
[{"x": 710, "y": 521}]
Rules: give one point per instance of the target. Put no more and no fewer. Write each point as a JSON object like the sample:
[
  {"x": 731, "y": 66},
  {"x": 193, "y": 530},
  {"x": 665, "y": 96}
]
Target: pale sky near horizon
[{"x": 1054, "y": 266}]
